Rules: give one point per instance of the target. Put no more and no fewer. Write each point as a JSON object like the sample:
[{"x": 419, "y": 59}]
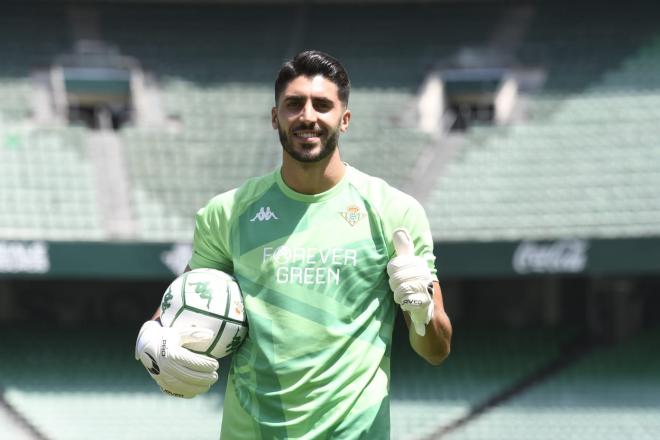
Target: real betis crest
[{"x": 353, "y": 214}]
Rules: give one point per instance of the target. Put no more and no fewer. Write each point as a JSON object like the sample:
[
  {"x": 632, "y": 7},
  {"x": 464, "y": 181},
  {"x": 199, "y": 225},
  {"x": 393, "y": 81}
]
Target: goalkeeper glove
[
  {"x": 411, "y": 281},
  {"x": 178, "y": 371}
]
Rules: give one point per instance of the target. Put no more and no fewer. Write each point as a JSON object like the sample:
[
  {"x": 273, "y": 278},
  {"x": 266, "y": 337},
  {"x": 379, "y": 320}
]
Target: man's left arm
[
  {"x": 417, "y": 291},
  {"x": 435, "y": 345}
]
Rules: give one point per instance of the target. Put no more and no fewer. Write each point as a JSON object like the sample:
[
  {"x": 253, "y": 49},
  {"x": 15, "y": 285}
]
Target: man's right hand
[{"x": 178, "y": 371}]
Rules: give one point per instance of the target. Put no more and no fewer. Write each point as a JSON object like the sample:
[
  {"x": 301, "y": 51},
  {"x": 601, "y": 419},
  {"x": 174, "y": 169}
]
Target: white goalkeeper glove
[
  {"x": 411, "y": 281},
  {"x": 178, "y": 371}
]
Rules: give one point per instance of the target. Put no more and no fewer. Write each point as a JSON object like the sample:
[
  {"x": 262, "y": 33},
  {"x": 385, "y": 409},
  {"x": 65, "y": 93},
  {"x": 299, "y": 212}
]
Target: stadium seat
[
  {"x": 484, "y": 362},
  {"x": 50, "y": 183},
  {"x": 53, "y": 376},
  {"x": 612, "y": 393},
  {"x": 584, "y": 164},
  {"x": 70, "y": 386}
]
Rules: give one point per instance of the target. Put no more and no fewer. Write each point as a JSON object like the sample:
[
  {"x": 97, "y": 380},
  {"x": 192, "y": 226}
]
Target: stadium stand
[
  {"x": 80, "y": 385},
  {"x": 44, "y": 201},
  {"x": 49, "y": 379},
  {"x": 404, "y": 40},
  {"x": 484, "y": 362},
  {"x": 173, "y": 175},
  {"x": 15, "y": 105},
  {"x": 215, "y": 87},
  {"x": 220, "y": 94},
  {"x": 584, "y": 164},
  {"x": 612, "y": 393},
  {"x": 21, "y": 53},
  {"x": 39, "y": 200},
  {"x": 222, "y": 104}
]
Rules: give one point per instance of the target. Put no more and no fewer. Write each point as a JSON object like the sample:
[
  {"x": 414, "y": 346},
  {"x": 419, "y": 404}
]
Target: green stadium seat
[
  {"x": 612, "y": 393},
  {"x": 50, "y": 187},
  {"x": 69, "y": 386},
  {"x": 54, "y": 376},
  {"x": 483, "y": 362}
]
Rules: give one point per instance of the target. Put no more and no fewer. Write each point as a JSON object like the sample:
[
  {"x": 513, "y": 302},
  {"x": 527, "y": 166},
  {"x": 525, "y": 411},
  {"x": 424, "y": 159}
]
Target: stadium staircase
[
  {"x": 13, "y": 425},
  {"x": 106, "y": 153}
]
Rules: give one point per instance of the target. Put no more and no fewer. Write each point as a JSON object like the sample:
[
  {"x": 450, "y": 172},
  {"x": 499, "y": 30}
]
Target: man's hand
[
  {"x": 178, "y": 371},
  {"x": 411, "y": 281}
]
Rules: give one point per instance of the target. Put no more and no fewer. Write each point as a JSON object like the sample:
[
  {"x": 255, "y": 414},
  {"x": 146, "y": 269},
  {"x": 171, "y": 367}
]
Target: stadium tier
[
  {"x": 15, "y": 100},
  {"x": 579, "y": 44},
  {"x": 222, "y": 103},
  {"x": 208, "y": 44},
  {"x": 583, "y": 165},
  {"x": 75, "y": 384},
  {"x": 69, "y": 386},
  {"x": 21, "y": 53},
  {"x": 48, "y": 186},
  {"x": 400, "y": 43},
  {"x": 484, "y": 363},
  {"x": 215, "y": 80},
  {"x": 612, "y": 393},
  {"x": 523, "y": 184},
  {"x": 226, "y": 139},
  {"x": 46, "y": 182},
  {"x": 580, "y": 160}
]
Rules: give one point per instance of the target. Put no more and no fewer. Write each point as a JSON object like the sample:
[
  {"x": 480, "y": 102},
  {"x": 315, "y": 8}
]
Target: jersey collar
[{"x": 312, "y": 198}]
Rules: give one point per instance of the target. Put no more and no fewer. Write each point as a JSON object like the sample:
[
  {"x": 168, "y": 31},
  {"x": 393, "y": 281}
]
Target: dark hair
[{"x": 311, "y": 63}]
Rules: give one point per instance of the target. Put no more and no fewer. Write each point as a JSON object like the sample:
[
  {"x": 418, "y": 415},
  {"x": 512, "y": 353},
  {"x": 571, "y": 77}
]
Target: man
[{"x": 323, "y": 253}]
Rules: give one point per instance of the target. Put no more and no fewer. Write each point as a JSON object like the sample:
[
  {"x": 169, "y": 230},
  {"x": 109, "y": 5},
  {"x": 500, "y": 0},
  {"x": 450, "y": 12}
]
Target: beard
[{"x": 306, "y": 153}]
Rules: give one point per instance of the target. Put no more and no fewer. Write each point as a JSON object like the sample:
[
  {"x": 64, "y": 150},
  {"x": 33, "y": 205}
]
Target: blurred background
[{"x": 529, "y": 131}]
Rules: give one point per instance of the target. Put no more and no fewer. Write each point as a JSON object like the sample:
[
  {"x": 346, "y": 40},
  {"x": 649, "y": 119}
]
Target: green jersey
[{"x": 312, "y": 269}]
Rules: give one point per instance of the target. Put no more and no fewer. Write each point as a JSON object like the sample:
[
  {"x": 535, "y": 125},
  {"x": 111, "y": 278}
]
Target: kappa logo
[
  {"x": 264, "y": 215},
  {"x": 235, "y": 342},
  {"x": 204, "y": 291},
  {"x": 352, "y": 214}
]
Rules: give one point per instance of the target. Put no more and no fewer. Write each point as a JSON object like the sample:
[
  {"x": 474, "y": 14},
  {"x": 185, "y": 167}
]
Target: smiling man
[
  {"x": 311, "y": 110},
  {"x": 323, "y": 254},
  {"x": 310, "y": 116}
]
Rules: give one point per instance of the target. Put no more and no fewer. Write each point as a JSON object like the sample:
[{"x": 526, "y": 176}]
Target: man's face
[{"x": 309, "y": 117}]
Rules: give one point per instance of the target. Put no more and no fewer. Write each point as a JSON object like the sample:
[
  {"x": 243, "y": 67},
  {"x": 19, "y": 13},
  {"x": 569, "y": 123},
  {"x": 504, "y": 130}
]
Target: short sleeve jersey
[{"x": 312, "y": 269}]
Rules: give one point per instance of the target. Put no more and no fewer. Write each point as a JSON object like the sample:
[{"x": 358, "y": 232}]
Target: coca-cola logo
[{"x": 562, "y": 256}]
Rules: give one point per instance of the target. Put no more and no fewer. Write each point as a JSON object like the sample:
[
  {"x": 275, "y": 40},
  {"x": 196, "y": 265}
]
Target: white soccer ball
[{"x": 211, "y": 299}]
